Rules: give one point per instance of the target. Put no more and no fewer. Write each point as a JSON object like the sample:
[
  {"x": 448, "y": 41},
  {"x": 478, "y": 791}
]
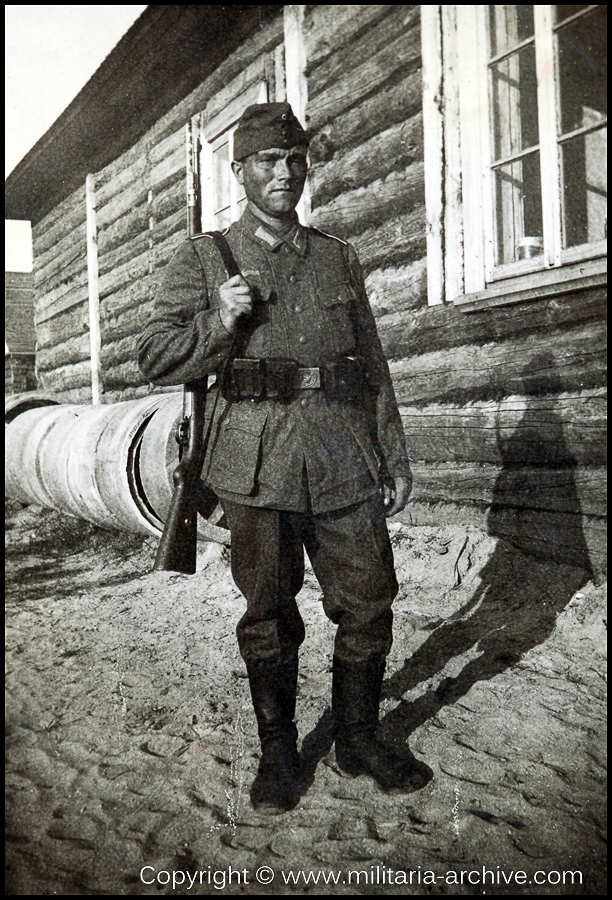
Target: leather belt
[{"x": 276, "y": 378}]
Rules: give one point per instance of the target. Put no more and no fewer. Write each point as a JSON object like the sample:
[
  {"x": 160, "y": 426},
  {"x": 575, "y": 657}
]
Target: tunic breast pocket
[
  {"x": 337, "y": 299},
  {"x": 235, "y": 458}
]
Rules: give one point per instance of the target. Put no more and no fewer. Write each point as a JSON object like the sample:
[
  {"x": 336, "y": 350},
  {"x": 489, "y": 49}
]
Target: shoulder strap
[{"x": 226, "y": 254}]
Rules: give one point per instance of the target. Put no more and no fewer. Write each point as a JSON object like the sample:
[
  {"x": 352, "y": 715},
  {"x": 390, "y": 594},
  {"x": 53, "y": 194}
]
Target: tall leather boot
[
  {"x": 356, "y": 689},
  {"x": 273, "y": 686}
]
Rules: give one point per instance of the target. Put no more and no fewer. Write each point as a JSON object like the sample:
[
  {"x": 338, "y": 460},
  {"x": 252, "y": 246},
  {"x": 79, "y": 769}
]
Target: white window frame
[
  {"x": 213, "y": 135},
  {"x": 458, "y": 168}
]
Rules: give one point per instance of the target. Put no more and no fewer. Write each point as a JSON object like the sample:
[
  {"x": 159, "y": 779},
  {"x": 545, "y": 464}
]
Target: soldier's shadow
[{"x": 540, "y": 561}]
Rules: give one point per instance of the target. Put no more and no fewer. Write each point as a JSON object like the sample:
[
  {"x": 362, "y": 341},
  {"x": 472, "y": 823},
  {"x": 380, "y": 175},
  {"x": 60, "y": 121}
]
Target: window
[
  {"x": 529, "y": 102},
  {"x": 223, "y": 199}
]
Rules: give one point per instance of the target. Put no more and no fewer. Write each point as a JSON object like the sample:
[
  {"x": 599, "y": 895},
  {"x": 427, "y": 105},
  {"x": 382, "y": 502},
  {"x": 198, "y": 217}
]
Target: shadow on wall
[{"x": 540, "y": 561}]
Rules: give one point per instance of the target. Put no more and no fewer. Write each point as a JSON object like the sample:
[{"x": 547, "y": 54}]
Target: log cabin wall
[
  {"x": 504, "y": 408},
  {"x": 140, "y": 216}
]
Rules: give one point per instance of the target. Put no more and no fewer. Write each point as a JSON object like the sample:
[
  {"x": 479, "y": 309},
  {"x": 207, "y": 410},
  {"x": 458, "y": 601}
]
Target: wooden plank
[
  {"x": 546, "y": 430},
  {"x": 394, "y": 149},
  {"x": 394, "y": 103},
  {"x": 408, "y": 332},
  {"x": 433, "y": 125},
  {"x": 398, "y": 289},
  {"x": 346, "y": 60},
  {"x": 93, "y": 290},
  {"x": 453, "y": 192},
  {"x": 328, "y": 28},
  {"x": 403, "y": 55},
  {"x": 171, "y": 164},
  {"x": 396, "y": 241},
  {"x": 554, "y": 362},
  {"x": 125, "y": 230},
  {"x": 112, "y": 181},
  {"x": 132, "y": 199}
]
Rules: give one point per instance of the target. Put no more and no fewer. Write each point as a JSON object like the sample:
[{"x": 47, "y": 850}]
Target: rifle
[{"x": 178, "y": 546}]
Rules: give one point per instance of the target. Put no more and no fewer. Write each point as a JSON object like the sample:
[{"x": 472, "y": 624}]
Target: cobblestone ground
[{"x": 131, "y": 742}]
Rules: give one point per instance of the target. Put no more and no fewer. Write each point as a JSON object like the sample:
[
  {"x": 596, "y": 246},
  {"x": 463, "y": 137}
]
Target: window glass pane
[
  {"x": 518, "y": 208},
  {"x": 582, "y": 58},
  {"x": 564, "y": 12},
  {"x": 221, "y": 176},
  {"x": 584, "y": 183},
  {"x": 509, "y": 25},
  {"x": 515, "y": 103}
]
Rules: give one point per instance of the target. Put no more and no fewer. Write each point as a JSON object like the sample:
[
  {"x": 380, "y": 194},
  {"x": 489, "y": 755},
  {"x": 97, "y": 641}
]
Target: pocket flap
[{"x": 246, "y": 416}]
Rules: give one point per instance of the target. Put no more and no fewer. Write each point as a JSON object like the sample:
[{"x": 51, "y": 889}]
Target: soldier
[{"x": 307, "y": 447}]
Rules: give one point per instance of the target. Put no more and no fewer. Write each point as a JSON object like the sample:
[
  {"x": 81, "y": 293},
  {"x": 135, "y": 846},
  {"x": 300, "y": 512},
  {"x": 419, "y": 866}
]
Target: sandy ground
[{"x": 131, "y": 741}]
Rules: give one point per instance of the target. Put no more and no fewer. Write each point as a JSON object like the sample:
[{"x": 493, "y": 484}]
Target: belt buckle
[{"x": 309, "y": 378}]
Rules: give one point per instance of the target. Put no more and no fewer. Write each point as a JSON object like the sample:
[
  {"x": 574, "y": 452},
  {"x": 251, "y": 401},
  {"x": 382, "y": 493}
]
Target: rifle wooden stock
[{"x": 178, "y": 545}]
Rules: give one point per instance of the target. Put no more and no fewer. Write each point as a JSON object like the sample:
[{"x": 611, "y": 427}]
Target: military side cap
[{"x": 263, "y": 126}]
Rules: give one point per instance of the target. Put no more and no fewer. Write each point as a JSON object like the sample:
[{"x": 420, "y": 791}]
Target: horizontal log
[
  {"x": 428, "y": 329},
  {"x": 399, "y": 58},
  {"x": 547, "y": 363},
  {"x": 170, "y": 165},
  {"x": 536, "y": 430},
  {"x": 131, "y": 168},
  {"x": 116, "y": 352},
  {"x": 122, "y": 254},
  {"x": 120, "y": 276},
  {"x": 125, "y": 376},
  {"x": 327, "y": 28},
  {"x": 126, "y": 229},
  {"x": 61, "y": 220},
  {"x": 398, "y": 290},
  {"x": 68, "y": 245},
  {"x": 172, "y": 230},
  {"x": 135, "y": 196},
  {"x": 131, "y": 393},
  {"x": 166, "y": 147},
  {"x": 574, "y": 540},
  {"x": 354, "y": 211},
  {"x": 396, "y": 241},
  {"x": 67, "y": 378},
  {"x": 390, "y": 151},
  {"x": 80, "y": 395},
  {"x": 73, "y": 350},
  {"x": 395, "y": 103},
  {"x": 128, "y": 322},
  {"x": 62, "y": 298},
  {"x": 125, "y": 299},
  {"x": 580, "y": 491},
  {"x": 400, "y": 27},
  {"x": 168, "y": 198},
  {"x": 69, "y": 323}
]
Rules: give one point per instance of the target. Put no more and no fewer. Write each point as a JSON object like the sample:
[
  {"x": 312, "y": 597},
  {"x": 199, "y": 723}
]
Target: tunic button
[
  {"x": 297, "y": 309},
  {"x": 303, "y": 339},
  {"x": 304, "y": 402},
  {"x": 293, "y": 279}
]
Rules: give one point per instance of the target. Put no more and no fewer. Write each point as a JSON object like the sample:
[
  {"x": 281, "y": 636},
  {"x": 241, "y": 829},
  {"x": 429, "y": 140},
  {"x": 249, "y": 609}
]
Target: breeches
[{"x": 351, "y": 556}]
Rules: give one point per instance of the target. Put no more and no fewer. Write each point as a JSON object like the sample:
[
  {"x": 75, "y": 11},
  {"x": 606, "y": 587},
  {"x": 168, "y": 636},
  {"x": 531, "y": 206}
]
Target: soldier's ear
[{"x": 238, "y": 170}]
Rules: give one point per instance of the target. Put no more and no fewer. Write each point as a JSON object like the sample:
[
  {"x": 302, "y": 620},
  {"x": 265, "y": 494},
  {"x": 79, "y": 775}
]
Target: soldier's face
[{"x": 273, "y": 179}]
